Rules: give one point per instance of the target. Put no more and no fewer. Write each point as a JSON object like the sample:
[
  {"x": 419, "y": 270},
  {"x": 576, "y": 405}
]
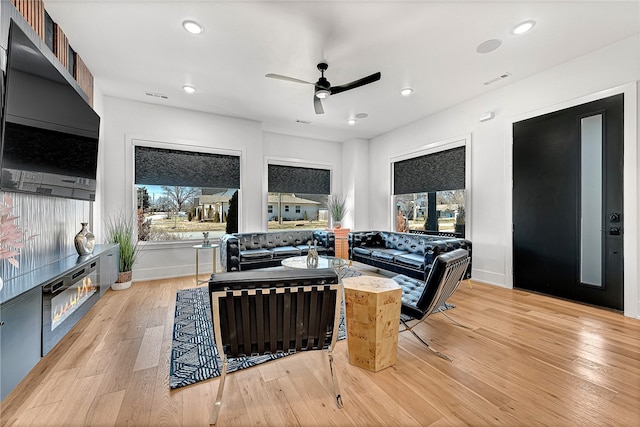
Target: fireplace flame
[{"x": 86, "y": 289}]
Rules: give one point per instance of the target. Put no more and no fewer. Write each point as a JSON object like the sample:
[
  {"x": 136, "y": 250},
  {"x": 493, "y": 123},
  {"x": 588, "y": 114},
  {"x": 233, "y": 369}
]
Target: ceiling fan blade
[
  {"x": 357, "y": 83},
  {"x": 289, "y": 79},
  {"x": 317, "y": 104}
]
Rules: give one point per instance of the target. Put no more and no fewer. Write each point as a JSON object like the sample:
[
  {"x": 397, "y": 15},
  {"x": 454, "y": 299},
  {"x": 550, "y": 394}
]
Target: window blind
[
  {"x": 440, "y": 171},
  {"x": 159, "y": 166},
  {"x": 291, "y": 179}
]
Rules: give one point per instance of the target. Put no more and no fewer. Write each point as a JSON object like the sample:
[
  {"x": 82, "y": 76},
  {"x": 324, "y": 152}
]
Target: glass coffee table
[{"x": 300, "y": 262}]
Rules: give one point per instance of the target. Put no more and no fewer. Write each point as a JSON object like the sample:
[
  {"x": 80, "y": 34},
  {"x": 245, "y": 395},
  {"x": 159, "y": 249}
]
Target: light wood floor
[{"x": 529, "y": 360}]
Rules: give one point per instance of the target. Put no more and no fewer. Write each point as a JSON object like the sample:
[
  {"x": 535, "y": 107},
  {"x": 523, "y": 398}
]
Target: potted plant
[
  {"x": 122, "y": 229},
  {"x": 337, "y": 210}
]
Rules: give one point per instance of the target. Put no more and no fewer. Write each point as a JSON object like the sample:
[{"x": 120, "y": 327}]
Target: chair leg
[
  {"x": 334, "y": 380},
  {"x": 216, "y": 406},
  {"x": 436, "y": 352}
]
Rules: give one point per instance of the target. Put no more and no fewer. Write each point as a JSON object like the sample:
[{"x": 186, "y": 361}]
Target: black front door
[{"x": 567, "y": 203}]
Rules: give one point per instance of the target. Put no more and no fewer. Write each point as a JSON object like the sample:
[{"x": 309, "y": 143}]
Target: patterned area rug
[{"x": 194, "y": 355}]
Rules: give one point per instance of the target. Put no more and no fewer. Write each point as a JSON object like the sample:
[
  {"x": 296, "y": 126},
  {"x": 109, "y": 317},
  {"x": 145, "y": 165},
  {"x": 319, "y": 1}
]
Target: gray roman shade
[
  {"x": 159, "y": 166},
  {"x": 440, "y": 171},
  {"x": 290, "y": 179}
]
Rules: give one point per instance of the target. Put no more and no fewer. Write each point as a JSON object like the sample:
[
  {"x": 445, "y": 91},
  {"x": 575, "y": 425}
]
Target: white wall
[
  {"x": 125, "y": 120},
  {"x": 361, "y": 169},
  {"x": 355, "y": 183},
  {"x": 299, "y": 151},
  {"x": 490, "y": 191}
]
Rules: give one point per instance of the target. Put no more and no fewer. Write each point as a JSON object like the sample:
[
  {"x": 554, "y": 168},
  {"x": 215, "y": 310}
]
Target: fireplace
[{"x": 65, "y": 300}]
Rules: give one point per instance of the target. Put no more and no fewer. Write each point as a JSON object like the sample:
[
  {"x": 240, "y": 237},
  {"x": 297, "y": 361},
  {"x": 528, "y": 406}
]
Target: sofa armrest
[
  {"x": 326, "y": 239},
  {"x": 229, "y": 252}
]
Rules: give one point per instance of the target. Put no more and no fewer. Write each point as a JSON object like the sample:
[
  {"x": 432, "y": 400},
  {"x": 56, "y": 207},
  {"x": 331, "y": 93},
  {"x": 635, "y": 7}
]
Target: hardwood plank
[
  {"x": 149, "y": 353},
  {"x": 528, "y": 360},
  {"x": 104, "y": 409}
]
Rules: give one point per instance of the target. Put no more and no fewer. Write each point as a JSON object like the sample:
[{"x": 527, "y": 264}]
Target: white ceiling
[{"x": 133, "y": 47}]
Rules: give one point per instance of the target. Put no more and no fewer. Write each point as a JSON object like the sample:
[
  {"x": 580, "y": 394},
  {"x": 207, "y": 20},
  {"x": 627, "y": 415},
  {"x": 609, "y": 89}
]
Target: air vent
[
  {"x": 497, "y": 79},
  {"x": 304, "y": 122},
  {"x": 156, "y": 95}
]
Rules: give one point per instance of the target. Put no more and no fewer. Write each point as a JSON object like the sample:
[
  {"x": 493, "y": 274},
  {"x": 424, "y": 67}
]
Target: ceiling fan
[{"x": 324, "y": 88}]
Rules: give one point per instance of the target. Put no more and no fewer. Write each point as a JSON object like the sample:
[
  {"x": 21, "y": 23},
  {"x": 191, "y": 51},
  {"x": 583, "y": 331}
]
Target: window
[
  {"x": 182, "y": 194},
  {"x": 304, "y": 188},
  {"x": 429, "y": 192},
  {"x": 442, "y": 211}
]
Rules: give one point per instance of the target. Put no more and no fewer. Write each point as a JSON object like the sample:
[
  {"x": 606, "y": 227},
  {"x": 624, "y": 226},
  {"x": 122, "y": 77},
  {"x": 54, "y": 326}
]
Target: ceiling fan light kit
[
  {"x": 322, "y": 93},
  {"x": 323, "y": 88}
]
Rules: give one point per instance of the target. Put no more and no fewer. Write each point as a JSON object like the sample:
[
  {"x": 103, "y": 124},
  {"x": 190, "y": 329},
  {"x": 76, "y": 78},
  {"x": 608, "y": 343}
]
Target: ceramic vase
[
  {"x": 312, "y": 256},
  {"x": 84, "y": 241}
]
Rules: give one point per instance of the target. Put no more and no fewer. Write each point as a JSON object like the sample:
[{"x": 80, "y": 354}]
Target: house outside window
[
  {"x": 182, "y": 194},
  {"x": 428, "y": 196},
  {"x": 447, "y": 207},
  {"x": 306, "y": 189}
]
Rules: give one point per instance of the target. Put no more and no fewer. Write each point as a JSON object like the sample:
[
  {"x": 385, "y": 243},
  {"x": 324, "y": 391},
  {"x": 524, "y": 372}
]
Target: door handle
[
  {"x": 614, "y": 231},
  {"x": 614, "y": 217}
]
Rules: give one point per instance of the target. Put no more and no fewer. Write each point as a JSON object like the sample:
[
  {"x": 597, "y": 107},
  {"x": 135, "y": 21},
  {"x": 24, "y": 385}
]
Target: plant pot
[{"x": 123, "y": 282}]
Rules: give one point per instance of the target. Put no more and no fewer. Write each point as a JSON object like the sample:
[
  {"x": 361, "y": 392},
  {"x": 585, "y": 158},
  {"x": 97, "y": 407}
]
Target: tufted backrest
[
  {"x": 276, "y": 239},
  {"x": 421, "y": 298}
]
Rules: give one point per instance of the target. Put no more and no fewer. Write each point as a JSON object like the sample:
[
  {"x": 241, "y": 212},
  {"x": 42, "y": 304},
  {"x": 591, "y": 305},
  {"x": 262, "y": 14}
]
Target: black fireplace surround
[{"x": 65, "y": 300}]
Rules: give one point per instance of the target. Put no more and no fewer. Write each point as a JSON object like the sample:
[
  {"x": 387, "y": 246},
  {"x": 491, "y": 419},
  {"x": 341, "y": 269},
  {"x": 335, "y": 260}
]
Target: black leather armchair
[
  {"x": 421, "y": 299},
  {"x": 285, "y": 311}
]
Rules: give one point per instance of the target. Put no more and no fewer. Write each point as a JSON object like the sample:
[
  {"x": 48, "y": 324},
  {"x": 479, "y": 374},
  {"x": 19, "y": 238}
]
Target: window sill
[{"x": 172, "y": 244}]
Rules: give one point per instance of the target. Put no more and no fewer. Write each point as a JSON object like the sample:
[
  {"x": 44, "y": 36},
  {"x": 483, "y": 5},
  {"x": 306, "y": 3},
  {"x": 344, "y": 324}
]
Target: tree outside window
[
  {"x": 182, "y": 194},
  {"x": 439, "y": 211}
]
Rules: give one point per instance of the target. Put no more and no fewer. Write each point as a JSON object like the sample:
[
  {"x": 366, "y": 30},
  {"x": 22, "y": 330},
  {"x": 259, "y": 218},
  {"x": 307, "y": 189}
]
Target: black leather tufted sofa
[
  {"x": 404, "y": 253},
  {"x": 247, "y": 251}
]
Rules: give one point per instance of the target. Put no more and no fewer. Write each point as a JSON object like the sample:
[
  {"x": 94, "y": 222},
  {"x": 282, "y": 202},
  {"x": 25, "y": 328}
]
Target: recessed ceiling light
[
  {"x": 488, "y": 46},
  {"x": 406, "y": 91},
  {"x": 193, "y": 27},
  {"x": 362, "y": 116},
  {"x": 351, "y": 121},
  {"x": 188, "y": 89},
  {"x": 523, "y": 27}
]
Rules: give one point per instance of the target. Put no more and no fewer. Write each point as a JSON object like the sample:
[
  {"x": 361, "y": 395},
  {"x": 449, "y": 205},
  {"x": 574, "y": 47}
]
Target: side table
[
  {"x": 373, "y": 318},
  {"x": 342, "y": 243},
  {"x": 199, "y": 248}
]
